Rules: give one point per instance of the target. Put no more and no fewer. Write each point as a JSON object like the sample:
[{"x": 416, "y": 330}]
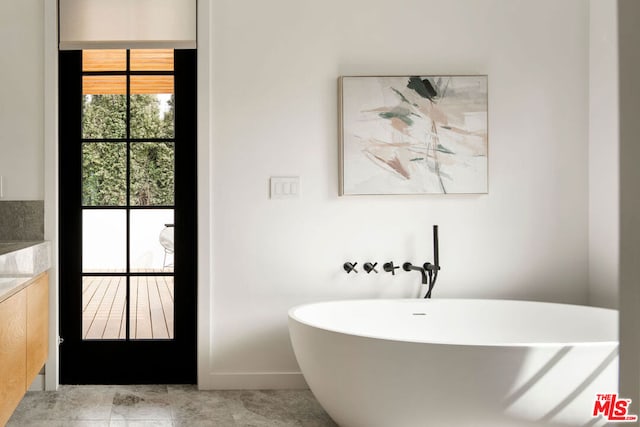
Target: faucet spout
[{"x": 407, "y": 266}]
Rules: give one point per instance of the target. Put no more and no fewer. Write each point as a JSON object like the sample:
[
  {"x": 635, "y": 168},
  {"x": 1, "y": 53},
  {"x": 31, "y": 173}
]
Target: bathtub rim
[{"x": 293, "y": 317}]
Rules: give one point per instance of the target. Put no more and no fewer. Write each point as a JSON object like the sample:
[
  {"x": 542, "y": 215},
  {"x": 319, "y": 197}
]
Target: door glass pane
[
  {"x": 152, "y": 174},
  {"x": 104, "y": 308},
  {"x": 104, "y": 107},
  {"x": 152, "y": 105},
  {"x": 104, "y": 85},
  {"x": 151, "y": 239},
  {"x": 151, "y": 311},
  {"x": 104, "y": 240},
  {"x": 150, "y": 85},
  {"x": 104, "y": 60},
  {"x": 151, "y": 59},
  {"x": 104, "y": 174}
]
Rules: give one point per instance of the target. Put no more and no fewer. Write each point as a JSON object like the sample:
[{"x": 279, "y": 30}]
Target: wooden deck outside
[{"x": 104, "y": 307}]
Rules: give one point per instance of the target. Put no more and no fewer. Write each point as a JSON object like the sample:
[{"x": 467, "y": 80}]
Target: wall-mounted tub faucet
[
  {"x": 428, "y": 271},
  {"x": 407, "y": 266}
]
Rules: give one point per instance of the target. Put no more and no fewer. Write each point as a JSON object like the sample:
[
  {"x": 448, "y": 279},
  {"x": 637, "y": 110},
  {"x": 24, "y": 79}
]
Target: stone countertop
[{"x": 20, "y": 262}]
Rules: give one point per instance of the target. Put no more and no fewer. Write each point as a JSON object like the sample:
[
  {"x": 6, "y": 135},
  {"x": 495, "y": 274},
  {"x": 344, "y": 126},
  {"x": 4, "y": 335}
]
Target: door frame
[
  {"x": 51, "y": 189},
  {"x": 181, "y": 352}
]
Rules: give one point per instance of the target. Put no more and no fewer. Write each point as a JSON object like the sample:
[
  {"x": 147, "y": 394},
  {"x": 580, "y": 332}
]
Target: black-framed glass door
[{"x": 128, "y": 243}]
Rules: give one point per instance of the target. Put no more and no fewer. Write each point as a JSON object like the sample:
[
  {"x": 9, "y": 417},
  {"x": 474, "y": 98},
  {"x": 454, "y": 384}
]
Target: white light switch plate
[{"x": 285, "y": 187}]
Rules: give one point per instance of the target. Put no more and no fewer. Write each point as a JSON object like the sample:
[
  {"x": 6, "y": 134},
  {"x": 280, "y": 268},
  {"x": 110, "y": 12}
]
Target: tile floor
[{"x": 168, "y": 405}]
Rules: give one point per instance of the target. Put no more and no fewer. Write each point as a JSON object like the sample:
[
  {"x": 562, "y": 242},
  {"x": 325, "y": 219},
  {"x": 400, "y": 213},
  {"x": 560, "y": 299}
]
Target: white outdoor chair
[{"x": 166, "y": 240}]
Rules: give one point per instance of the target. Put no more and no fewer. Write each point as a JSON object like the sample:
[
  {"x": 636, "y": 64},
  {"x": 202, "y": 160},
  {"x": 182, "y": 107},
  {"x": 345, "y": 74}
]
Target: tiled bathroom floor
[{"x": 168, "y": 405}]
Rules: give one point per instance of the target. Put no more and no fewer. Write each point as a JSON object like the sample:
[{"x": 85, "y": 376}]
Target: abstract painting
[{"x": 413, "y": 135}]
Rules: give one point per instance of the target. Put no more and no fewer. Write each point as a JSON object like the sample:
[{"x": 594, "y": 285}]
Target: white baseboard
[{"x": 253, "y": 381}]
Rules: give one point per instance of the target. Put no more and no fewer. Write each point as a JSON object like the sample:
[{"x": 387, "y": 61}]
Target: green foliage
[
  {"x": 104, "y": 174},
  {"x": 145, "y": 118},
  {"x": 104, "y": 163},
  {"x": 152, "y": 173},
  {"x": 104, "y": 116}
]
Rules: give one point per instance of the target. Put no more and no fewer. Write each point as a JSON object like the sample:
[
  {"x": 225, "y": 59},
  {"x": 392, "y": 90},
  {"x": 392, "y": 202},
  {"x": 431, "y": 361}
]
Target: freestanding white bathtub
[{"x": 420, "y": 363}]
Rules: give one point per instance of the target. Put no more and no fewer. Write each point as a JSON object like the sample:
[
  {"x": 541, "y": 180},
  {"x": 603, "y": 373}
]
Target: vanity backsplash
[{"x": 21, "y": 220}]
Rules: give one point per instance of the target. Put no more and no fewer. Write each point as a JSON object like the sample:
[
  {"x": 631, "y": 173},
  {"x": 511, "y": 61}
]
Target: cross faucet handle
[
  {"x": 390, "y": 268},
  {"x": 368, "y": 267},
  {"x": 349, "y": 267}
]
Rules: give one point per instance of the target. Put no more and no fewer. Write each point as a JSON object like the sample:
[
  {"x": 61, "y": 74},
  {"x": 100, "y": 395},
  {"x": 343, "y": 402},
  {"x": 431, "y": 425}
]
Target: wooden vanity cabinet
[
  {"x": 23, "y": 342},
  {"x": 13, "y": 353},
  {"x": 37, "y": 326}
]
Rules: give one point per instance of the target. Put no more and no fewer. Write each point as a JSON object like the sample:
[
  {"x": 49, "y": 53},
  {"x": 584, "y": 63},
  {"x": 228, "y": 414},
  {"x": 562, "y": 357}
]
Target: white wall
[
  {"x": 21, "y": 93},
  {"x": 275, "y": 67},
  {"x": 604, "y": 167},
  {"x": 629, "y": 62}
]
